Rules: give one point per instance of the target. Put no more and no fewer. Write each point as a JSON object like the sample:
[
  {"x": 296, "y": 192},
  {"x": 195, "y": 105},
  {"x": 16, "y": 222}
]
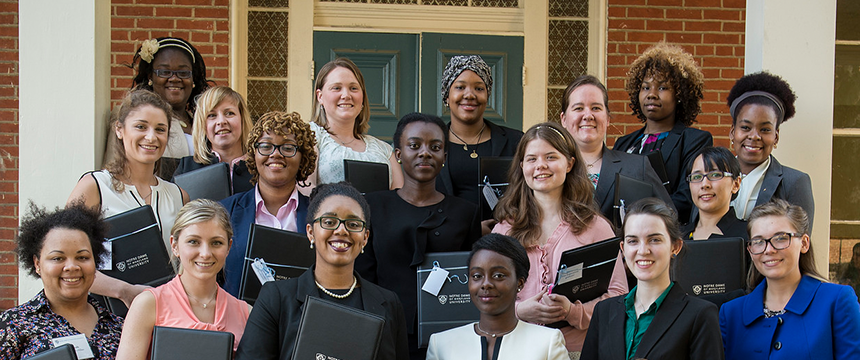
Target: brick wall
[
  {"x": 205, "y": 23},
  {"x": 8, "y": 151},
  {"x": 711, "y": 30}
]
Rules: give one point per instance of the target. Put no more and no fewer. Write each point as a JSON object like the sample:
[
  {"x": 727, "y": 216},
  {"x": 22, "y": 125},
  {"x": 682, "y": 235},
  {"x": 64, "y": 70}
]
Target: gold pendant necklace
[{"x": 474, "y": 154}]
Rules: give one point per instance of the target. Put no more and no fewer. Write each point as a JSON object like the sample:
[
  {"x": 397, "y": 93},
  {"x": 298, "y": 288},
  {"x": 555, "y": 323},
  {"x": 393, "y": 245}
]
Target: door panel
[
  {"x": 504, "y": 55},
  {"x": 389, "y": 63}
]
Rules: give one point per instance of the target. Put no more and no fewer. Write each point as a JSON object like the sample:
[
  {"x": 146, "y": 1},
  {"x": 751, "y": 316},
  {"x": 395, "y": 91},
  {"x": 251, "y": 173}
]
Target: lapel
[
  {"x": 246, "y": 213},
  {"x": 672, "y": 140},
  {"x": 772, "y": 178},
  {"x": 306, "y": 286},
  {"x": 372, "y": 298},
  {"x": 617, "y": 322},
  {"x": 498, "y": 138},
  {"x": 626, "y": 141},
  {"x": 444, "y": 183},
  {"x": 611, "y": 165},
  {"x": 668, "y": 312}
]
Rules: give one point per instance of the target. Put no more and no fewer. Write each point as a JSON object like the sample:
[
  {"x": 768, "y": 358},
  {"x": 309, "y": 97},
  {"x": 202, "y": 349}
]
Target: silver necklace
[
  {"x": 478, "y": 326},
  {"x": 204, "y": 304},
  {"x": 336, "y": 296}
]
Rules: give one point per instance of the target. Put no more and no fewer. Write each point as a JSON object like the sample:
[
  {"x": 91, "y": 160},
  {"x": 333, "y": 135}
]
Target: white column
[
  {"x": 535, "y": 28},
  {"x": 64, "y": 100},
  {"x": 795, "y": 39},
  {"x": 300, "y": 63}
]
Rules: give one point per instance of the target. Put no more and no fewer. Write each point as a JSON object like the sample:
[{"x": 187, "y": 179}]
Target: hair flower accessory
[{"x": 148, "y": 50}]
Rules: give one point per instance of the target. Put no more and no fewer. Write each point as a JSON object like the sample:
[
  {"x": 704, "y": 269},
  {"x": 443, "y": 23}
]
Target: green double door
[{"x": 403, "y": 72}]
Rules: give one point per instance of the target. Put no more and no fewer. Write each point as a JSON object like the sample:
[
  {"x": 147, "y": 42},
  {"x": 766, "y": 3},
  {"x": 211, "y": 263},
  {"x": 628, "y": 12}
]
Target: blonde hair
[{"x": 206, "y": 102}]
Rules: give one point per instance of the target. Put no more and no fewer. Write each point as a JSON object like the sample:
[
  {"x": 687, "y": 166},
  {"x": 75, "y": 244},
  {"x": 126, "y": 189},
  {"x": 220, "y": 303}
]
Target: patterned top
[
  {"x": 647, "y": 143},
  {"x": 332, "y": 154},
  {"x": 28, "y": 329}
]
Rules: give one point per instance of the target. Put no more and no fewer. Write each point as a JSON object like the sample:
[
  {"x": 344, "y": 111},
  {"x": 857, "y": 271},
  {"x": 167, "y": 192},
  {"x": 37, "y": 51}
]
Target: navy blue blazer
[
  {"x": 679, "y": 150},
  {"x": 242, "y": 209},
  {"x": 635, "y": 166},
  {"x": 794, "y": 186},
  {"x": 821, "y": 321},
  {"x": 684, "y": 327}
]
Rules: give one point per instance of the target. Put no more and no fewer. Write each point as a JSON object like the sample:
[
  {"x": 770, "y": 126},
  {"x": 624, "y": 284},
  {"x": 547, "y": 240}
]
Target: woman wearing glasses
[
  {"x": 714, "y": 179},
  {"x": 793, "y": 313},
  {"x": 280, "y": 154},
  {"x": 337, "y": 230}
]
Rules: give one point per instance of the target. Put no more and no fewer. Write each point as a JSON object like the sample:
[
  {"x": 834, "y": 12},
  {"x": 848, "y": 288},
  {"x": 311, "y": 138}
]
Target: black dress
[{"x": 400, "y": 235}]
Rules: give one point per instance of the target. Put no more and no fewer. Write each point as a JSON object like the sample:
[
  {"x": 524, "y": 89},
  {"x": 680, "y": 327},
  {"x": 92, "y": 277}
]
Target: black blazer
[
  {"x": 634, "y": 166},
  {"x": 729, "y": 224},
  {"x": 683, "y": 328},
  {"x": 274, "y": 322},
  {"x": 504, "y": 142},
  {"x": 794, "y": 186},
  {"x": 679, "y": 150},
  {"x": 241, "y": 180}
]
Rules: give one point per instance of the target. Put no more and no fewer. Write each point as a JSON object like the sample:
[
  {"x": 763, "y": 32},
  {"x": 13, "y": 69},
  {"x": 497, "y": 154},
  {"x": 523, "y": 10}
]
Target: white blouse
[{"x": 332, "y": 153}]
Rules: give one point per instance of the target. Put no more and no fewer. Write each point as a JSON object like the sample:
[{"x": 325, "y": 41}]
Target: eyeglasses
[
  {"x": 167, "y": 74},
  {"x": 779, "y": 241},
  {"x": 713, "y": 176},
  {"x": 266, "y": 149},
  {"x": 332, "y": 223}
]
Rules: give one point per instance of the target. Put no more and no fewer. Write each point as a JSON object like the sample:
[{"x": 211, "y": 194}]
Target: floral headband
[{"x": 151, "y": 46}]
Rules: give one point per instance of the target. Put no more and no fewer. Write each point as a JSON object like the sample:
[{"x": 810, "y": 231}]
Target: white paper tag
[
  {"x": 490, "y": 195},
  {"x": 79, "y": 341},
  {"x": 263, "y": 271},
  {"x": 107, "y": 258},
  {"x": 435, "y": 280},
  {"x": 569, "y": 274}
]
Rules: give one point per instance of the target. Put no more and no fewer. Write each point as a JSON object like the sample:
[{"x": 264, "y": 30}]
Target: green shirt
[{"x": 635, "y": 328}]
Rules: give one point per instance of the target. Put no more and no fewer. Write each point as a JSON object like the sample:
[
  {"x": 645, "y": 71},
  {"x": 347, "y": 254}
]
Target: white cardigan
[{"x": 526, "y": 342}]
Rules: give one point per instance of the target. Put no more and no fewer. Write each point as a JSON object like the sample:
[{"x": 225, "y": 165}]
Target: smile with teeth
[
  {"x": 752, "y": 148},
  {"x": 346, "y": 106},
  {"x": 275, "y": 165},
  {"x": 148, "y": 147},
  {"x": 771, "y": 262},
  {"x": 223, "y": 132},
  {"x": 339, "y": 245},
  {"x": 543, "y": 176},
  {"x": 72, "y": 280},
  {"x": 644, "y": 262}
]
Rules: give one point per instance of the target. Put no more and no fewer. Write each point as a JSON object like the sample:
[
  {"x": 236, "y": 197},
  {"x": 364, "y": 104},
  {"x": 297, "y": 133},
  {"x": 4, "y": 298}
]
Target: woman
[
  {"x": 427, "y": 220},
  {"x": 498, "y": 269},
  {"x": 337, "y": 230},
  {"x": 656, "y": 320},
  {"x": 341, "y": 116},
  {"x": 585, "y": 114},
  {"x": 280, "y": 155},
  {"x": 714, "y": 178},
  {"x": 803, "y": 316},
  {"x": 193, "y": 300},
  {"x": 220, "y": 134},
  {"x": 549, "y": 207},
  {"x": 759, "y": 104},
  {"x": 62, "y": 248},
  {"x": 665, "y": 86},
  {"x": 467, "y": 83},
  {"x": 128, "y": 181}
]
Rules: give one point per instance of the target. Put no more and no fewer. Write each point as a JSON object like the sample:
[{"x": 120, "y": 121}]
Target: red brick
[
  {"x": 703, "y": 50},
  {"x": 734, "y": 27},
  {"x": 702, "y": 26},
  {"x": 684, "y": 38},
  {"x": 9, "y": 18},
  {"x": 703, "y": 3},
  {"x": 626, "y": 24},
  {"x": 627, "y": 2},
  {"x": 174, "y": 12},
  {"x": 121, "y": 23},
  {"x": 720, "y": 38},
  {"x": 738, "y": 4},
  {"x": 207, "y": 12},
  {"x": 156, "y": 23},
  {"x": 665, "y": 2},
  {"x": 723, "y": 14},
  {"x": 707, "y": 119},
  {"x": 650, "y": 13},
  {"x": 715, "y": 108},
  {"x": 725, "y": 50},
  {"x": 9, "y": 31},
  {"x": 683, "y": 13},
  {"x": 188, "y": 2},
  {"x": 649, "y": 37},
  {"x": 157, "y": 2},
  {"x": 138, "y": 11},
  {"x": 194, "y": 24},
  {"x": 222, "y": 26},
  {"x": 615, "y": 35},
  {"x": 10, "y": 6},
  {"x": 617, "y": 12},
  {"x": 664, "y": 25},
  {"x": 731, "y": 73}
]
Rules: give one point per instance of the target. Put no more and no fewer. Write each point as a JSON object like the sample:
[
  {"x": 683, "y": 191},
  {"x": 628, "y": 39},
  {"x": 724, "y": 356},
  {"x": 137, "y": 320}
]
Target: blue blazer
[
  {"x": 821, "y": 321},
  {"x": 242, "y": 210}
]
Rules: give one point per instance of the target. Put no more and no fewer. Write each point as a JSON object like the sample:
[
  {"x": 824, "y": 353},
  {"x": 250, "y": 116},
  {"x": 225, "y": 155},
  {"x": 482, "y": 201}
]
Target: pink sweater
[{"x": 544, "y": 266}]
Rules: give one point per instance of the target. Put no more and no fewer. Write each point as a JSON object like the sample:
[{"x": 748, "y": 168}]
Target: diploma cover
[
  {"x": 62, "y": 352},
  {"x": 453, "y": 306},
  {"x": 332, "y": 331},
  {"x": 287, "y": 255},
  {"x": 170, "y": 343},
  {"x": 209, "y": 182},
  {"x": 366, "y": 176},
  {"x": 628, "y": 191},
  {"x": 584, "y": 273},
  {"x": 710, "y": 267}
]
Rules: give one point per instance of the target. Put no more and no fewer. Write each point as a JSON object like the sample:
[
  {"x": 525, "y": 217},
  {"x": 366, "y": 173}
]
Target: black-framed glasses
[
  {"x": 266, "y": 149},
  {"x": 713, "y": 176},
  {"x": 332, "y": 223},
  {"x": 164, "y": 73},
  {"x": 778, "y": 241}
]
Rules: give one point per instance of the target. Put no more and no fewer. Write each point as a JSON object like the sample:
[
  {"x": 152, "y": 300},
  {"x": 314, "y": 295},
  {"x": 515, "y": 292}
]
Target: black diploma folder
[
  {"x": 492, "y": 170},
  {"x": 656, "y": 160},
  {"x": 62, "y": 352},
  {"x": 453, "y": 306},
  {"x": 138, "y": 255},
  {"x": 366, "y": 176},
  {"x": 584, "y": 273},
  {"x": 628, "y": 191},
  {"x": 179, "y": 344},
  {"x": 287, "y": 255},
  {"x": 321, "y": 328},
  {"x": 711, "y": 267},
  {"x": 210, "y": 182}
]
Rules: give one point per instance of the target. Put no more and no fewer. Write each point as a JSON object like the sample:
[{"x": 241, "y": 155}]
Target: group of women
[{"x": 287, "y": 173}]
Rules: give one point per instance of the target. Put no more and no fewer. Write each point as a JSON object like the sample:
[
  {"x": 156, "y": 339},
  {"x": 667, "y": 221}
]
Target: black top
[
  {"x": 241, "y": 178},
  {"x": 464, "y": 170},
  {"x": 729, "y": 224}
]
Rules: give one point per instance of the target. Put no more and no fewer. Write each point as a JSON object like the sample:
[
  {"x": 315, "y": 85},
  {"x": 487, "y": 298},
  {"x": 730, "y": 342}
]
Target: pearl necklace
[
  {"x": 478, "y": 326},
  {"x": 336, "y": 296}
]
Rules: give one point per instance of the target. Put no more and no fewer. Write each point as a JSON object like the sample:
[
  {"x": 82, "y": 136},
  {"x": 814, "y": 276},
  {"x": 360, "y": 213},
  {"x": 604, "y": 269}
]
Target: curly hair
[
  {"x": 362, "y": 122},
  {"x": 769, "y": 83},
  {"x": 133, "y": 100},
  {"x": 207, "y": 102},
  {"x": 283, "y": 124},
  {"x": 198, "y": 69},
  {"x": 672, "y": 64},
  {"x": 519, "y": 206},
  {"x": 418, "y": 117},
  {"x": 36, "y": 225}
]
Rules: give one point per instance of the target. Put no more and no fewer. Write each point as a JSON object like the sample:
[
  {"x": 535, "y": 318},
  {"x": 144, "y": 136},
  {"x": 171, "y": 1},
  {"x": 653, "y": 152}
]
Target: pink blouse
[
  {"x": 544, "y": 266},
  {"x": 173, "y": 309}
]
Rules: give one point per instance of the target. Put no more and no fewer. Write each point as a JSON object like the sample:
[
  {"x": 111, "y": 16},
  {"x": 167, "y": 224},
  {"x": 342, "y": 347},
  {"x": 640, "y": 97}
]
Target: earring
[
  {"x": 362, "y": 249},
  {"x": 312, "y": 244},
  {"x": 445, "y": 102},
  {"x": 443, "y": 164},
  {"x": 519, "y": 289},
  {"x": 774, "y": 146},
  {"x": 398, "y": 161},
  {"x": 150, "y": 82}
]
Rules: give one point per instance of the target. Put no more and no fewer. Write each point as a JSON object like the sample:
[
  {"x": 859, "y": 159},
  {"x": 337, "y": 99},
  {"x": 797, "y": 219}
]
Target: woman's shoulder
[
  {"x": 599, "y": 226},
  {"x": 541, "y": 331},
  {"x": 376, "y": 145},
  {"x": 458, "y": 332}
]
